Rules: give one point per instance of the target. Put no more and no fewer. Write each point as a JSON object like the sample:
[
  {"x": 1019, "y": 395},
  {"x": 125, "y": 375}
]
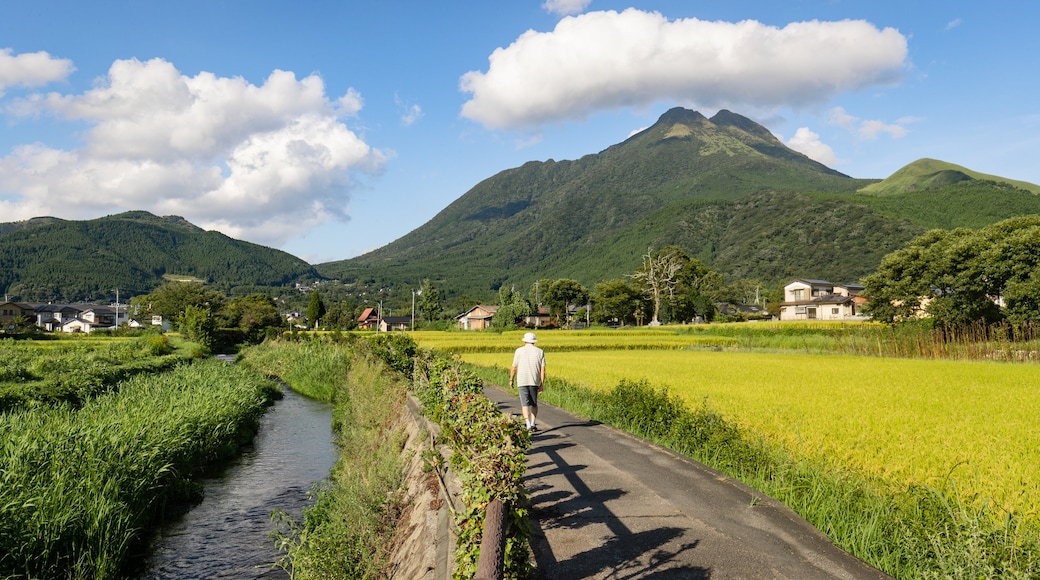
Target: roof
[
  {"x": 366, "y": 314},
  {"x": 812, "y": 282}
]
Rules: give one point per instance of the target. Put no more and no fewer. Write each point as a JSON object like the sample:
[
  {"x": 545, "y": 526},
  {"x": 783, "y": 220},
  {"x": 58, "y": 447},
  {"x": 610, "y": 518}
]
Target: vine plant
[{"x": 489, "y": 456}]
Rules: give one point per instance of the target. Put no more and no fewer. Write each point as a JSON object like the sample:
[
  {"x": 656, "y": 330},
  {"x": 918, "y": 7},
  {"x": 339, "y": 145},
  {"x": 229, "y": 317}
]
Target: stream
[{"x": 226, "y": 535}]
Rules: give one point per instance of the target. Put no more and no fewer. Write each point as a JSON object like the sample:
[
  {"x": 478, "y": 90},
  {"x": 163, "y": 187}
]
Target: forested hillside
[{"x": 49, "y": 259}]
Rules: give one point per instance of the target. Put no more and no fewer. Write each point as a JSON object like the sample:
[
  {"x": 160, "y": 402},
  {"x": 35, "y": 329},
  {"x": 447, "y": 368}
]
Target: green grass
[
  {"x": 345, "y": 534},
  {"x": 78, "y": 488}
]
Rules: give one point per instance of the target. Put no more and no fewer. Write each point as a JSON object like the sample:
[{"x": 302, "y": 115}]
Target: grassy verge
[
  {"x": 915, "y": 531},
  {"x": 78, "y": 487}
]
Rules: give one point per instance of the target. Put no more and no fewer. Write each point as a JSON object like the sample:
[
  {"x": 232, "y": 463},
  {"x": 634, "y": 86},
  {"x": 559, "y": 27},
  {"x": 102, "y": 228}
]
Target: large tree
[
  {"x": 315, "y": 309},
  {"x": 658, "y": 276},
  {"x": 962, "y": 276},
  {"x": 512, "y": 308},
  {"x": 171, "y": 299},
  {"x": 428, "y": 301},
  {"x": 254, "y": 314},
  {"x": 559, "y": 294},
  {"x": 616, "y": 300}
]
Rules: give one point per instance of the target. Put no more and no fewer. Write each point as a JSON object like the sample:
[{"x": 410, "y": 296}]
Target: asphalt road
[{"x": 606, "y": 504}]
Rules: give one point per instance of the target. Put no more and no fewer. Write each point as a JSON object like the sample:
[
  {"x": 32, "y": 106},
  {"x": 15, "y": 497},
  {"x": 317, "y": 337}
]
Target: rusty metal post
[{"x": 491, "y": 563}]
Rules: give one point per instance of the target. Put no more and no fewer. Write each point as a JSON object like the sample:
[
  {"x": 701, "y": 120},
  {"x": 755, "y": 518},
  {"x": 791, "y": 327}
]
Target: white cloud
[
  {"x": 869, "y": 130},
  {"x": 566, "y": 7},
  {"x": 259, "y": 162},
  {"x": 807, "y": 142},
  {"x": 953, "y": 24},
  {"x": 607, "y": 60},
  {"x": 410, "y": 112},
  {"x": 31, "y": 69}
]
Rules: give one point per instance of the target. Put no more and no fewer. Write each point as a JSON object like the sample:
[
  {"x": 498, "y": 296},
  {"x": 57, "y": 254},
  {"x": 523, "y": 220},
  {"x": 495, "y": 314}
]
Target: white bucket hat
[{"x": 529, "y": 337}]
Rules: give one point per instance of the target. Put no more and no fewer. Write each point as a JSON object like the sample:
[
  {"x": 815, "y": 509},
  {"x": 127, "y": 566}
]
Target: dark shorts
[{"x": 528, "y": 396}]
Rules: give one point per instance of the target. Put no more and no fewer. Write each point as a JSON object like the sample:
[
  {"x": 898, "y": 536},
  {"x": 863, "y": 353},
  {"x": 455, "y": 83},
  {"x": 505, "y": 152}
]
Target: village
[{"x": 804, "y": 299}]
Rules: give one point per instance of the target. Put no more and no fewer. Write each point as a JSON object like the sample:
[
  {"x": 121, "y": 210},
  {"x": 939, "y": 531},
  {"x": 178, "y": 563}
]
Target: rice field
[{"x": 901, "y": 420}]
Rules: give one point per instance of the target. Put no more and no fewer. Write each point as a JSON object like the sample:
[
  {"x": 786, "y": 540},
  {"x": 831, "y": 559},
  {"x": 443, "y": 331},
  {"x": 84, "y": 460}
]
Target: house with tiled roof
[{"x": 808, "y": 299}]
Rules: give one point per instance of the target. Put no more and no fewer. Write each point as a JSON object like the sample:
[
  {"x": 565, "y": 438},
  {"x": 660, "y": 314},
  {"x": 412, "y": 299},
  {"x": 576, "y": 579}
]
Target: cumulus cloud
[
  {"x": 606, "y": 60},
  {"x": 808, "y": 142},
  {"x": 869, "y": 129},
  {"x": 566, "y": 7},
  {"x": 260, "y": 162},
  {"x": 31, "y": 69}
]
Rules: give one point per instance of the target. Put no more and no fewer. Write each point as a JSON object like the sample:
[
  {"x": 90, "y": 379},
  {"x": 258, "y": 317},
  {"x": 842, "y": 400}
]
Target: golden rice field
[{"x": 902, "y": 420}]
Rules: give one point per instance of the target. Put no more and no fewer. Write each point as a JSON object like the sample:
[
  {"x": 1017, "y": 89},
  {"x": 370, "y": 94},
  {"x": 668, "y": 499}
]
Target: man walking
[{"x": 529, "y": 370}]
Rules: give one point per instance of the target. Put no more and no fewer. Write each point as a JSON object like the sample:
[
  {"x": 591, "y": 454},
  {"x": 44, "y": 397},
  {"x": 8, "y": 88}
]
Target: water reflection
[{"x": 226, "y": 536}]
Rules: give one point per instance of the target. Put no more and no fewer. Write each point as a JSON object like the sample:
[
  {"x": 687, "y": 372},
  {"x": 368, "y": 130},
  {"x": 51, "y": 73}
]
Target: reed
[
  {"x": 79, "y": 487},
  {"x": 345, "y": 533}
]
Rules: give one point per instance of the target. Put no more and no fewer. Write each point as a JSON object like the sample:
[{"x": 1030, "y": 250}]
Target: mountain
[
  {"x": 50, "y": 259},
  {"x": 931, "y": 173},
  {"x": 593, "y": 217}
]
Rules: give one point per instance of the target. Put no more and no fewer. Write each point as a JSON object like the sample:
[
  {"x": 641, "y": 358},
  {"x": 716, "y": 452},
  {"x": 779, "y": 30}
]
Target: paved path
[{"x": 606, "y": 504}]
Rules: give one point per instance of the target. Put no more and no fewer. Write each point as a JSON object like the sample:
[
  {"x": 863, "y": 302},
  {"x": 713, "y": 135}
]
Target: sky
[{"x": 330, "y": 128}]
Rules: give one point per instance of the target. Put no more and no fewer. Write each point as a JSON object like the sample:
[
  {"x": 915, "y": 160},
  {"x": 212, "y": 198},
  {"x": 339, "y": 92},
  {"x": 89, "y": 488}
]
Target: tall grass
[
  {"x": 79, "y": 487},
  {"x": 312, "y": 368},
  {"x": 72, "y": 371}
]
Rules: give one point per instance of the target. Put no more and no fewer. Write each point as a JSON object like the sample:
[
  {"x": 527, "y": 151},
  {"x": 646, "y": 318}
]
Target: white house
[{"x": 806, "y": 299}]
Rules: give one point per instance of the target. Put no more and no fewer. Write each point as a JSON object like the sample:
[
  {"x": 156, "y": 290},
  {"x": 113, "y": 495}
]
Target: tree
[
  {"x": 616, "y": 300},
  {"x": 959, "y": 277},
  {"x": 254, "y": 314},
  {"x": 512, "y": 308},
  {"x": 315, "y": 309},
  {"x": 171, "y": 299},
  {"x": 657, "y": 276},
  {"x": 197, "y": 325},
  {"x": 560, "y": 294},
  {"x": 428, "y": 301},
  {"x": 342, "y": 315},
  {"x": 696, "y": 290}
]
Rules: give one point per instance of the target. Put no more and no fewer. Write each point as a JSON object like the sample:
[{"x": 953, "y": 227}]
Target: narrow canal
[{"x": 227, "y": 535}]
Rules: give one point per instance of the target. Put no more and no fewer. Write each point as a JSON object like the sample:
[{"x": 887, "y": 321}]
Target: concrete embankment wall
[{"x": 424, "y": 544}]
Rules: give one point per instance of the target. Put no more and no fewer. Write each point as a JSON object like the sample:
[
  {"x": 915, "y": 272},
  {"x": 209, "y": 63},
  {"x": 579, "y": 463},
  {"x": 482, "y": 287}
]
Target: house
[
  {"x": 369, "y": 319},
  {"x": 477, "y": 318},
  {"x": 391, "y": 323},
  {"x": 538, "y": 319},
  {"x": 806, "y": 299},
  {"x": 50, "y": 317},
  {"x": 11, "y": 311}
]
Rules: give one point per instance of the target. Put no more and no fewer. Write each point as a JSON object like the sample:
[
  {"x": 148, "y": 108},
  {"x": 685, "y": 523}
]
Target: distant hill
[
  {"x": 50, "y": 259},
  {"x": 931, "y": 173}
]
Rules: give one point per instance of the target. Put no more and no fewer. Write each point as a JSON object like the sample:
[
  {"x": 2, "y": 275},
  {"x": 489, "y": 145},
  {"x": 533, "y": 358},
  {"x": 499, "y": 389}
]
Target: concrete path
[{"x": 606, "y": 504}]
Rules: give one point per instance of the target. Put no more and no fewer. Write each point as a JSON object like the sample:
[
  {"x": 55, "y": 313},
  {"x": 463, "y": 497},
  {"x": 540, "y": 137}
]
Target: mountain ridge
[{"x": 50, "y": 259}]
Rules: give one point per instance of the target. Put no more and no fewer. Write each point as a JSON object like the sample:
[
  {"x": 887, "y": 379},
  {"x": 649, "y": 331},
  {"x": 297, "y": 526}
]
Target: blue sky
[{"x": 328, "y": 129}]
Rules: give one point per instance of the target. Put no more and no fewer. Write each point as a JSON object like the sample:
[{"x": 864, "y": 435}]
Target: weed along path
[
  {"x": 605, "y": 504},
  {"x": 226, "y": 536}
]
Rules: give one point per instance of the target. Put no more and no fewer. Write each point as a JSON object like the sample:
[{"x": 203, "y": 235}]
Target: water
[{"x": 226, "y": 536}]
